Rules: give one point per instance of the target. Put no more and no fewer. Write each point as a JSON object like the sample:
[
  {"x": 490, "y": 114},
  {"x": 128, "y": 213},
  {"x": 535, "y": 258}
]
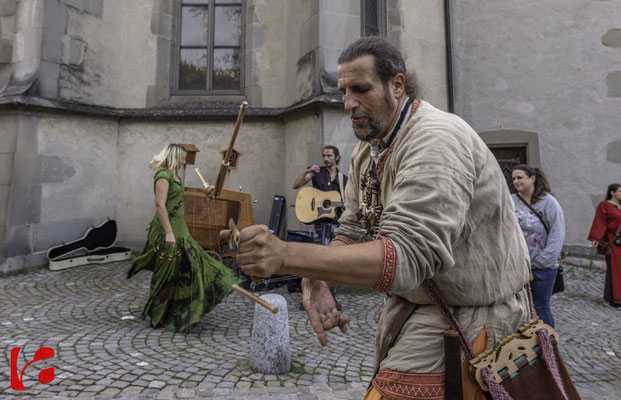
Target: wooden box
[
  {"x": 206, "y": 217},
  {"x": 190, "y": 157}
]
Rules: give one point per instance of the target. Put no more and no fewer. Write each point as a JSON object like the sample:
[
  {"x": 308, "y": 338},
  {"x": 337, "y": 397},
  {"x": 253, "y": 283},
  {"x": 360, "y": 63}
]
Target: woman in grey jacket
[{"x": 541, "y": 218}]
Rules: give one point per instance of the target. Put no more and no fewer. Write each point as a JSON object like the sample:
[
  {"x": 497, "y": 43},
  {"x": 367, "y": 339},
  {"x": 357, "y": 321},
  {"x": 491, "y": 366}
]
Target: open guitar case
[{"x": 95, "y": 247}]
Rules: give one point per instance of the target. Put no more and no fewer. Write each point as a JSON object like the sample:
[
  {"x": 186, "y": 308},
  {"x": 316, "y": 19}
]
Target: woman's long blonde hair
[{"x": 169, "y": 159}]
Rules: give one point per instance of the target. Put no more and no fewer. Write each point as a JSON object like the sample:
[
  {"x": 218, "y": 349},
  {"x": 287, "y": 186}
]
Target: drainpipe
[
  {"x": 449, "y": 55},
  {"x": 26, "y": 55}
]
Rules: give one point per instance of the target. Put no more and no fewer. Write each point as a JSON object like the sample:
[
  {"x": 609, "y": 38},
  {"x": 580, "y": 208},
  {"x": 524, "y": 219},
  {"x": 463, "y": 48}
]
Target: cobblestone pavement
[{"x": 103, "y": 350}]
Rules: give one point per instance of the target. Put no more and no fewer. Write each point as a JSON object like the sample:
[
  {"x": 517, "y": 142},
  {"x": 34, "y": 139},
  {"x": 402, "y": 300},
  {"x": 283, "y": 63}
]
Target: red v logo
[{"x": 45, "y": 376}]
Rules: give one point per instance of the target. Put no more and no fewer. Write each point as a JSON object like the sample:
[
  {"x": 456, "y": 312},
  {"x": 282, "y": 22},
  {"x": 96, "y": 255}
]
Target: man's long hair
[
  {"x": 388, "y": 61},
  {"x": 542, "y": 186}
]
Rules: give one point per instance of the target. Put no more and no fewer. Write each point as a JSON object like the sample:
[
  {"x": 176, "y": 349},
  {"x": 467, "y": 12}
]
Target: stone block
[
  {"x": 27, "y": 135},
  {"x": 6, "y": 169},
  {"x": 162, "y": 68},
  {"x": 613, "y": 81},
  {"x": 18, "y": 240},
  {"x": 94, "y": 7},
  {"x": 349, "y": 7},
  {"x": 55, "y": 16},
  {"x": 309, "y": 35},
  {"x": 612, "y": 38},
  {"x": 163, "y": 6},
  {"x": 74, "y": 50},
  {"x": 33, "y": 212},
  {"x": 6, "y": 51},
  {"x": 7, "y": 7},
  {"x": 8, "y": 133},
  {"x": 47, "y": 84},
  {"x": 270, "y": 352},
  {"x": 52, "y": 46},
  {"x": 79, "y": 4},
  {"x": 613, "y": 152},
  {"x": 27, "y": 169},
  {"x": 161, "y": 24},
  {"x": 4, "y": 205}
]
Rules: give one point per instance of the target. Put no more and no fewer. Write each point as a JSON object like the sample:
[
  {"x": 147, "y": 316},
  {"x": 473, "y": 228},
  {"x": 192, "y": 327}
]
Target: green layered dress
[{"x": 186, "y": 282}]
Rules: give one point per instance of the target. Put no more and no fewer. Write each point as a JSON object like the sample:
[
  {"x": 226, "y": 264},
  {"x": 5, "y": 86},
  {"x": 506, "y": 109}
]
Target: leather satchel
[{"x": 523, "y": 365}]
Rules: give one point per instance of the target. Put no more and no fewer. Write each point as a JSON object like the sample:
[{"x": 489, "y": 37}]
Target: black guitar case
[{"x": 95, "y": 247}]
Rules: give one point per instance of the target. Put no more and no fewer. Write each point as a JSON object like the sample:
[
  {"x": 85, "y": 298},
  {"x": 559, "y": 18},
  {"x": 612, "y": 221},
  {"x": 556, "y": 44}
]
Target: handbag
[
  {"x": 522, "y": 365},
  {"x": 559, "y": 283},
  {"x": 604, "y": 247}
]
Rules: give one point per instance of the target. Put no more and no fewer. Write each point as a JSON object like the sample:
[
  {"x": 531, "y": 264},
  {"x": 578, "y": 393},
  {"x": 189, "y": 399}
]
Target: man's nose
[{"x": 349, "y": 102}]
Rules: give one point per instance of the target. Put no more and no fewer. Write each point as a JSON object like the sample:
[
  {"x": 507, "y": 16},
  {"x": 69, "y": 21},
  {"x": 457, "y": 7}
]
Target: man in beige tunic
[{"x": 426, "y": 200}]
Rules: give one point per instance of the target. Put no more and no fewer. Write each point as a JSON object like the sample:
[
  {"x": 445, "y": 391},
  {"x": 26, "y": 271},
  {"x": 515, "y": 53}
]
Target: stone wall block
[
  {"x": 4, "y": 206},
  {"x": 94, "y": 7},
  {"x": 338, "y": 30},
  {"x": 612, "y": 38},
  {"x": 7, "y": 7},
  {"x": 613, "y": 152},
  {"x": 6, "y": 167},
  {"x": 162, "y": 66},
  {"x": 18, "y": 209},
  {"x": 163, "y": 6},
  {"x": 6, "y": 50},
  {"x": 52, "y": 46},
  {"x": 74, "y": 51},
  {"x": 33, "y": 212},
  {"x": 26, "y": 169},
  {"x": 54, "y": 16},
  {"x": 613, "y": 81},
  {"x": 18, "y": 240},
  {"x": 309, "y": 37},
  {"x": 8, "y": 134},
  {"x": 349, "y": 7},
  {"x": 79, "y": 4},
  {"x": 47, "y": 83}
]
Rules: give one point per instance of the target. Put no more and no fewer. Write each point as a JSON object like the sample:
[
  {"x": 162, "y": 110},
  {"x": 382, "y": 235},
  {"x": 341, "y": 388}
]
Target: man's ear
[{"x": 398, "y": 84}]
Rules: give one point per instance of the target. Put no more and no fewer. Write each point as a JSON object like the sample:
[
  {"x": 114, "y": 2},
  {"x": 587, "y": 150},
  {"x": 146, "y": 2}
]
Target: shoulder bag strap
[
  {"x": 496, "y": 390},
  {"x": 534, "y": 212},
  {"x": 406, "y": 310}
]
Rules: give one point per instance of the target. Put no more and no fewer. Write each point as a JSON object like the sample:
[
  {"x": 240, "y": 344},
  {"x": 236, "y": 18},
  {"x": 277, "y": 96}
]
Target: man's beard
[{"x": 376, "y": 127}]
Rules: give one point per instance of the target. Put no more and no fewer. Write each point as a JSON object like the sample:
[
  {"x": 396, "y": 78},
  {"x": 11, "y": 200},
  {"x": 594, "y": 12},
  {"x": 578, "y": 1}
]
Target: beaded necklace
[{"x": 371, "y": 206}]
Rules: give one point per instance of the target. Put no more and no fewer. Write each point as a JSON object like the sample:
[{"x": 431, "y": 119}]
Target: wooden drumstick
[{"x": 256, "y": 299}]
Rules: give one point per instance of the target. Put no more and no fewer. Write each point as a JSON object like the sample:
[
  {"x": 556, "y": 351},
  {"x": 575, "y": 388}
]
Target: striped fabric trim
[
  {"x": 389, "y": 265},
  {"x": 409, "y": 386},
  {"x": 343, "y": 239}
]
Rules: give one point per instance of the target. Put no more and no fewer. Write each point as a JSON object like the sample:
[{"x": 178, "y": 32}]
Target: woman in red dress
[{"x": 607, "y": 224}]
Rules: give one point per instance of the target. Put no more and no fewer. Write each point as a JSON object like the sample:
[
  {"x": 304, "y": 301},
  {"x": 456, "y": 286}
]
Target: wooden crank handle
[
  {"x": 256, "y": 299},
  {"x": 208, "y": 188}
]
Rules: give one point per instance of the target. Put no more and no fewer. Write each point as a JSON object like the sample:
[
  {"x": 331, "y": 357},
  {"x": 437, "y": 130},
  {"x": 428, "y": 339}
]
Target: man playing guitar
[{"x": 327, "y": 179}]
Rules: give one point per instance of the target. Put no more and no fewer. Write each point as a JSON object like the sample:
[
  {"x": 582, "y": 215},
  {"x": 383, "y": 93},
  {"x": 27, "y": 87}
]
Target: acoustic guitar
[{"x": 312, "y": 204}]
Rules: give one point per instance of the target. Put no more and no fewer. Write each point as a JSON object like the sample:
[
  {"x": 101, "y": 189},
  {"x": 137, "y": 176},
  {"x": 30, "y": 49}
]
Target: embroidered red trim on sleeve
[
  {"x": 343, "y": 239},
  {"x": 389, "y": 265}
]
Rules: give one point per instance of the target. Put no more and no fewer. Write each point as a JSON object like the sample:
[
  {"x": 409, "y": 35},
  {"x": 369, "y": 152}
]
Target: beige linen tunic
[{"x": 449, "y": 214}]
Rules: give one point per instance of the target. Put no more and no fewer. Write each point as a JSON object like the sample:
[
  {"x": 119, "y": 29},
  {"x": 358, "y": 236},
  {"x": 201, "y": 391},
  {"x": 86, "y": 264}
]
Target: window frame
[
  {"x": 176, "y": 52},
  {"x": 381, "y": 18}
]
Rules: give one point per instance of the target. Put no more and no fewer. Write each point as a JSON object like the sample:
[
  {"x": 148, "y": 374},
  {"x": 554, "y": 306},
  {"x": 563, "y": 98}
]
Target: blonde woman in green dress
[{"x": 186, "y": 282}]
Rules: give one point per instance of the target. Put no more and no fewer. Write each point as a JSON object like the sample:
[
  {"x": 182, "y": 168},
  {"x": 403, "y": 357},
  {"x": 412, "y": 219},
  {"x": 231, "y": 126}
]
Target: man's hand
[
  {"x": 260, "y": 253},
  {"x": 321, "y": 309},
  {"x": 314, "y": 169}
]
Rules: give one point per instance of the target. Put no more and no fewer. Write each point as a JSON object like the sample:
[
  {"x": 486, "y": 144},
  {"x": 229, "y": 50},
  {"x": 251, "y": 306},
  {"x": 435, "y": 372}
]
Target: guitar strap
[{"x": 341, "y": 188}]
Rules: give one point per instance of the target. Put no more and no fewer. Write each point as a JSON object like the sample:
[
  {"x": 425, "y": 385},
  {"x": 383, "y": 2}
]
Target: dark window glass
[
  {"x": 371, "y": 18},
  {"x": 226, "y": 69},
  {"x": 193, "y": 69},
  {"x": 210, "y": 46}
]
